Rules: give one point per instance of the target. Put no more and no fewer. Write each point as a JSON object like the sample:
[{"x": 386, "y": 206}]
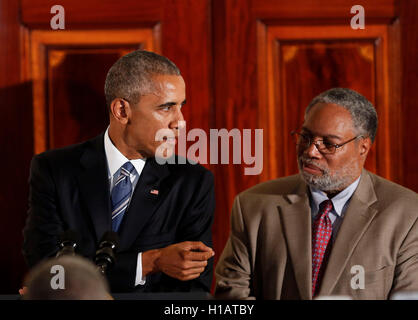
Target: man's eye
[
  {"x": 328, "y": 144},
  {"x": 166, "y": 108}
]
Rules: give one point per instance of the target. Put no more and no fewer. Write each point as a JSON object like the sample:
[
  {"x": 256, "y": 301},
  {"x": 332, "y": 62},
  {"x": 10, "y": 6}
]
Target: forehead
[
  {"x": 327, "y": 119},
  {"x": 168, "y": 86}
]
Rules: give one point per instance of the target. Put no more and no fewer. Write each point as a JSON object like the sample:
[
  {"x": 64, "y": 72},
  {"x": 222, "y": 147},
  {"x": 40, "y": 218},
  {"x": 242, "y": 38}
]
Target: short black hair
[{"x": 130, "y": 76}]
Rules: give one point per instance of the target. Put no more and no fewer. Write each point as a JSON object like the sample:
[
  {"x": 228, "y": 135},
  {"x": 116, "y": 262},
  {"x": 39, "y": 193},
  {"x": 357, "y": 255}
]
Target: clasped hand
[{"x": 183, "y": 261}]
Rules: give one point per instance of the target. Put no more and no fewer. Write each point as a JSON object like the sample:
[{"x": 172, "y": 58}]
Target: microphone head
[
  {"x": 110, "y": 239},
  {"x": 69, "y": 237}
]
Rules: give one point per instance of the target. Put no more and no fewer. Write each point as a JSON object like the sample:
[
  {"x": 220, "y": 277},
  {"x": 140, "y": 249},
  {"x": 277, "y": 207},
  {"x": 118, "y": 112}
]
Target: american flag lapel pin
[{"x": 154, "y": 192}]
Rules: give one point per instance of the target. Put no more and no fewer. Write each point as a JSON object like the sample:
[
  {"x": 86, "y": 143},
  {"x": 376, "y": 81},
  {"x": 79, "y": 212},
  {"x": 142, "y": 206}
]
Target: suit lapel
[
  {"x": 143, "y": 202},
  {"x": 296, "y": 219},
  {"x": 356, "y": 221},
  {"x": 94, "y": 185}
]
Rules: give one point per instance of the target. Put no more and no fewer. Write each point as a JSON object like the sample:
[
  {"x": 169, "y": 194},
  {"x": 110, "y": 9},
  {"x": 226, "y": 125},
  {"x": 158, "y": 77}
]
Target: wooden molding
[{"x": 36, "y": 62}]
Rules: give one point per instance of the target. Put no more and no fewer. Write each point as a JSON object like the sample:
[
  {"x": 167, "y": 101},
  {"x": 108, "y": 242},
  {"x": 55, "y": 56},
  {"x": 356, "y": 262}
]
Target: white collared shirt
[
  {"x": 340, "y": 204},
  {"x": 115, "y": 160}
]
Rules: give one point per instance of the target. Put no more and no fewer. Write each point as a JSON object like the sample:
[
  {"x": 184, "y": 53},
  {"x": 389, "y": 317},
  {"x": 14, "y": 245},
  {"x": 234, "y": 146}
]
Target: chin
[{"x": 163, "y": 152}]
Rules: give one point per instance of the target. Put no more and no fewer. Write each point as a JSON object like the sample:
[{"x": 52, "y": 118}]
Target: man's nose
[
  {"x": 312, "y": 151},
  {"x": 178, "y": 120}
]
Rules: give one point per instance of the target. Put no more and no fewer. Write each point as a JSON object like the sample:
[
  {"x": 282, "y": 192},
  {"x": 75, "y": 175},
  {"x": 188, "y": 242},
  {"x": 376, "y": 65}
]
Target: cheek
[
  {"x": 157, "y": 116},
  {"x": 338, "y": 163}
]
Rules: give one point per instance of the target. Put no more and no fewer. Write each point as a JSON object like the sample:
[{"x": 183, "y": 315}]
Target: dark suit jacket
[{"x": 69, "y": 189}]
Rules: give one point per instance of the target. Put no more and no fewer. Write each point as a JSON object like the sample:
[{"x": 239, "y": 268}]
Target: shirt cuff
[{"x": 138, "y": 277}]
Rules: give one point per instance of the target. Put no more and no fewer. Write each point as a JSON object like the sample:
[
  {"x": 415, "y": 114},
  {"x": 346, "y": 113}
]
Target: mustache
[{"x": 305, "y": 160}]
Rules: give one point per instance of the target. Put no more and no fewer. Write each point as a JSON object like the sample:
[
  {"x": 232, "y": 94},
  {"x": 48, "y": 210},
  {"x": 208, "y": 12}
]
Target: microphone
[
  {"x": 105, "y": 255},
  {"x": 68, "y": 243}
]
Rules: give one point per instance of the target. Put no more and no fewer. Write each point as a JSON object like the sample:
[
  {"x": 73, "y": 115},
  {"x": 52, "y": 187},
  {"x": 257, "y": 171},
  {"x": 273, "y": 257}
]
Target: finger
[
  {"x": 198, "y": 245},
  {"x": 193, "y": 264},
  {"x": 189, "y": 277},
  {"x": 192, "y": 271},
  {"x": 196, "y": 256}
]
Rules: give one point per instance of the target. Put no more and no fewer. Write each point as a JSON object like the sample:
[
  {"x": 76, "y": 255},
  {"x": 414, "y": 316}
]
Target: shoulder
[
  {"x": 266, "y": 196},
  {"x": 389, "y": 190},
  {"x": 66, "y": 157},
  {"x": 185, "y": 169},
  {"x": 389, "y": 193},
  {"x": 280, "y": 186}
]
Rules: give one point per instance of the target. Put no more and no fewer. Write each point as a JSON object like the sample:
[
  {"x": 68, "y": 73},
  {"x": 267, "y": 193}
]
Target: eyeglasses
[{"x": 323, "y": 146}]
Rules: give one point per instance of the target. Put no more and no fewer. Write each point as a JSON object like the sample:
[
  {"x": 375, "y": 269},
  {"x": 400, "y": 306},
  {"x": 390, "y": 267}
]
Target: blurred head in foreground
[{"x": 66, "y": 278}]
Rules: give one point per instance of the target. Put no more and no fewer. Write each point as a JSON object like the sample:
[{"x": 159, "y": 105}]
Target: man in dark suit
[{"x": 162, "y": 212}]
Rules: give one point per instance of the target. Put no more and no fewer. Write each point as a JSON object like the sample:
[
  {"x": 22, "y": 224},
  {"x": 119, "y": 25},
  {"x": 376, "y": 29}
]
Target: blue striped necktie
[{"x": 121, "y": 194}]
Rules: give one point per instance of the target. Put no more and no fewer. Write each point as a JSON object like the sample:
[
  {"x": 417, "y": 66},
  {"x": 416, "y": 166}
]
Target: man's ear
[
  {"x": 365, "y": 145},
  {"x": 120, "y": 110}
]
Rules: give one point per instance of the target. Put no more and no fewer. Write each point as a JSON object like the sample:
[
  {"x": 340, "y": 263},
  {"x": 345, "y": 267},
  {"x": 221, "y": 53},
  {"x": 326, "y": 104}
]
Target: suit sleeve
[
  {"x": 43, "y": 224},
  {"x": 197, "y": 226},
  {"x": 233, "y": 271},
  {"x": 406, "y": 270}
]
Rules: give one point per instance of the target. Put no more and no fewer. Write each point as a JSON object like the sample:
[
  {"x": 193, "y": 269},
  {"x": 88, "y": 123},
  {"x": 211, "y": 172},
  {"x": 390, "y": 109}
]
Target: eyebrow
[
  {"x": 170, "y": 104},
  {"x": 325, "y": 136}
]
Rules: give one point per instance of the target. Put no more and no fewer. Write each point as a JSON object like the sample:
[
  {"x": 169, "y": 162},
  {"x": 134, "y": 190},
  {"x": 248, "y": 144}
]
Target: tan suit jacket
[{"x": 268, "y": 254}]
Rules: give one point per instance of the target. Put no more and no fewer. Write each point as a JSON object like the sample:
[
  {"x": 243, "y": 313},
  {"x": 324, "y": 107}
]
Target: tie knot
[
  {"x": 127, "y": 169},
  {"x": 325, "y": 206}
]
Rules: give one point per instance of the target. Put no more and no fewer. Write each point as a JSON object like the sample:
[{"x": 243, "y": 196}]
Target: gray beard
[{"x": 340, "y": 180}]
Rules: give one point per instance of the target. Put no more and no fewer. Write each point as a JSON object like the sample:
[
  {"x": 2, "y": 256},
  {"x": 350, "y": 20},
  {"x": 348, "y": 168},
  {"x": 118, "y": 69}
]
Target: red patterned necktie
[{"x": 322, "y": 230}]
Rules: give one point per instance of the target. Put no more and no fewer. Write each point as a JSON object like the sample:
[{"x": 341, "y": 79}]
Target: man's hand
[{"x": 183, "y": 261}]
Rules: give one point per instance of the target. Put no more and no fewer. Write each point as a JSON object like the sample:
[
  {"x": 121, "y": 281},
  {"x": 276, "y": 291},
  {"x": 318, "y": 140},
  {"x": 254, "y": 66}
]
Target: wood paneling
[
  {"x": 75, "y": 87},
  {"x": 94, "y": 13},
  {"x": 235, "y": 100},
  {"x": 53, "y": 62},
  {"x": 320, "y": 11},
  {"x": 409, "y": 91},
  {"x": 16, "y": 148},
  {"x": 303, "y": 61}
]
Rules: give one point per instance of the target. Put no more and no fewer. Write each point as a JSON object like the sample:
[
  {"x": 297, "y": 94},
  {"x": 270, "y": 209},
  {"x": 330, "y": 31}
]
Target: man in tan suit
[{"x": 360, "y": 229}]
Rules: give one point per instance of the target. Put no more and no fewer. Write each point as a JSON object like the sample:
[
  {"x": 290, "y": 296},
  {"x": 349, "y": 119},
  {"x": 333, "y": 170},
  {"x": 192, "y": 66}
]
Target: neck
[
  {"x": 333, "y": 193},
  {"x": 116, "y": 136}
]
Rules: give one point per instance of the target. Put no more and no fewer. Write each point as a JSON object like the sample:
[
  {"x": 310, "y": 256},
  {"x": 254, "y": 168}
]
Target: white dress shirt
[
  {"x": 340, "y": 204},
  {"x": 115, "y": 160}
]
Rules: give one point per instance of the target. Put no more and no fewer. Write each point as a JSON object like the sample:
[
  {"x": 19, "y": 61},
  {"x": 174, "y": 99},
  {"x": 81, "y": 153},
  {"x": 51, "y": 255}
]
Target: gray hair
[
  {"x": 82, "y": 280},
  {"x": 362, "y": 110},
  {"x": 130, "y": 76}
]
